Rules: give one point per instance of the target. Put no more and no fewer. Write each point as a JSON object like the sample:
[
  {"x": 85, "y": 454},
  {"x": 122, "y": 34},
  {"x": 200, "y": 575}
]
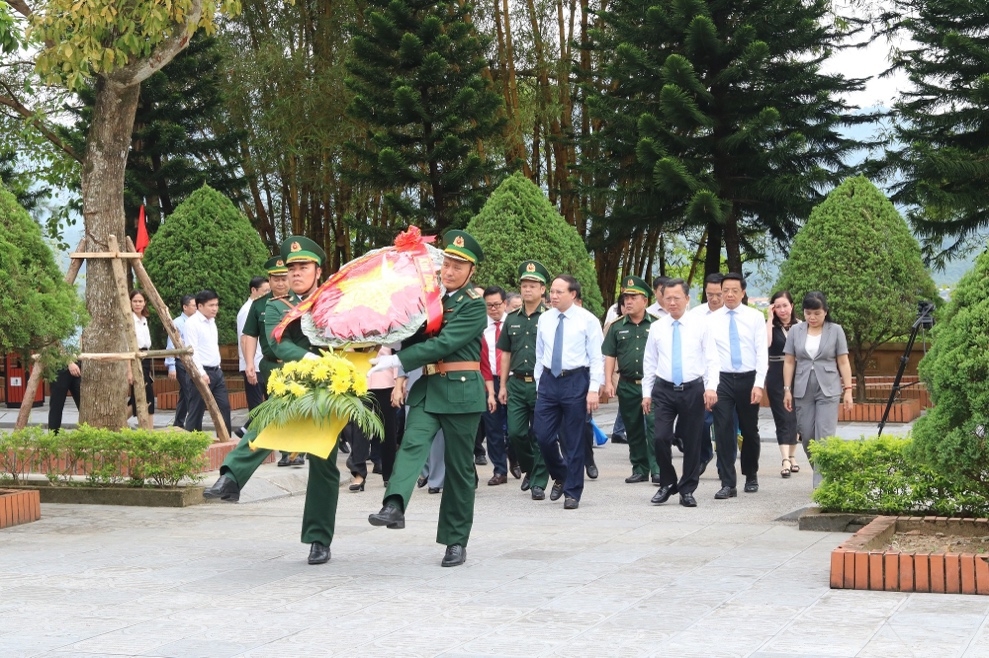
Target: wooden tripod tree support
[{"x": 133, "y": 354}]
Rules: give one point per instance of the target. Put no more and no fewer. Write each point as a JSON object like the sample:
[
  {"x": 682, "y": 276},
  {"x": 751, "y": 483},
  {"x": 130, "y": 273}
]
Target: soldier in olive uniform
[
  {"x": 625, "y": 346},
  {"x": 304, "y": 259},
  {"x": 518, "y": 385},
  {"x": 450, "y": 396},
  {"x": 254, "y": 328}
]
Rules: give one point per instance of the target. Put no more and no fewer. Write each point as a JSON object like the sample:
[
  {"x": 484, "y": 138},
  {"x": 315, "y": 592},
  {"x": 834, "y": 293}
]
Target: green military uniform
[
  {"x": 626, "y": 342},
  {"x": 519, "y": 339},
  {"x": 323, "y": 488},
  {"x": 452, "y": 402},
  {"x": 241, "y": 462}
]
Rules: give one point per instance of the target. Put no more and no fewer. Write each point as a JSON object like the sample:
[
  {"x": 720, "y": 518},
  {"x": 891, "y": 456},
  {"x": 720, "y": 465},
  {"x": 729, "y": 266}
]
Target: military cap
[
  {"x": 296, "y": 248},
  {"x": 533, "y": 270},
  {"x": 634, "y": 285},
  {"x": 461, "y": 246},
  {"x": 275, "y": 265}
]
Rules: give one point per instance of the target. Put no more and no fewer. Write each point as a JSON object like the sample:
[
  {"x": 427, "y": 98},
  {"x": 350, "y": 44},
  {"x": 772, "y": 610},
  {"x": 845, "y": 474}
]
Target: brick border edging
[
  {"x": 863, "y": 563},
  {"x": 17, "y": 507}
]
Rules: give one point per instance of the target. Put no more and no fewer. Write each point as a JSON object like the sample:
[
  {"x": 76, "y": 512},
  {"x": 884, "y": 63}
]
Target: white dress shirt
[
  {"x": 201, "y": 336},
  {"x": 582, "y": 338},
  {"x": 751, "y": 337},
  {"x": 179, "y": 323},
  {"x": 241, "y": 321},
  {"x": 701, "y": 310},
  {"x": 698, "y": 353},
  {"x": 142, "y": 331},
  {"x": 489, "y": 338},
  {"x": 656, "y": 310}
]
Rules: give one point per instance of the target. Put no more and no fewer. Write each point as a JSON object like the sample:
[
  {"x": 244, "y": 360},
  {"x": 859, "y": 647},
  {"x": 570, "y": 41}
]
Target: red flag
[{"x": 142, "y": 232}]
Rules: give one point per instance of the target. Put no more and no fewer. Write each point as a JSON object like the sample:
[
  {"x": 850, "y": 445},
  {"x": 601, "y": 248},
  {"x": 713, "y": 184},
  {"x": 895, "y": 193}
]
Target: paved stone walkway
[{"x": 617, "y": 577}]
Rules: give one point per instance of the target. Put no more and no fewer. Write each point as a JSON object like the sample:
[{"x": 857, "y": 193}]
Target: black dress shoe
[
  {"x": 571, "y": 503},
  {"x": 687, "y": 500},
  {"x": 390, "y": 516},
  {"x": 497, "y": 478},
  {"x": 618, "y": 438},
  {"x": 298, "y": 460},
  {"x": 377, "y": 469},
  {"x": 664, "y": 494},
  {"x": 344, "y": 448},
  {"x": 538, "y": 493},
  {"x": 421, "y": 482},
  {"x": 223, "y": 489},
  {"x": 480, "y": 460},
  {"x": 515, "y": 471},
  {"x": 678, "y": 442},
  {"x": 525, "y": 482},
  {"x": 635, "y": 478},
  {"x": 656, "y": 480},
  {"x": 556, "y": 491},
  {"x": 240, "y": 432},
  {"x": 435, "y": 490},
  {"x": 704, "y": 467},
  {"x": 751, "y": 484},
  {"x": 285, "y": 461},
  {"x": 319, "y": 554},
  {"x": 455, "y": 556},
  {"x": 726, "y": 492},
  {"x": 592, "y": 471}
]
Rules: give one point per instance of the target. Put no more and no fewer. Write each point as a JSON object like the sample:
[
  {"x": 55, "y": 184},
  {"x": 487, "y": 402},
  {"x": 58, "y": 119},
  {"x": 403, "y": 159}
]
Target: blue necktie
[
  {"x": 677, "y": 357},
  {"x": 733, "y": 342},
  {"x": 556, "y": 365}
]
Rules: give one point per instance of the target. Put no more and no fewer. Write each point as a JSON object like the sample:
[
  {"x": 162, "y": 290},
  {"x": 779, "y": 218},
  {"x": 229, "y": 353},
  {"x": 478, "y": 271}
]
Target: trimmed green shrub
[
  {"x": 205, "y": 243},
  {"x": 952, "y": 436},
  {"x": 38, "y": 309},
  {"x": 517, "y": 223},
  {"x": 858, "y": 251},
  {"x": 877, "y": 475},
  {"x": 137, "y": 457}
]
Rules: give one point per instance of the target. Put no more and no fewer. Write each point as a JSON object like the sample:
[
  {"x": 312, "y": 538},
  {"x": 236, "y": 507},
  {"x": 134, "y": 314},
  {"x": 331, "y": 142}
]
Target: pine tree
[
  {"x": 416, "y": 78},
  {"x": 719, "y": 113},
  {"x": 940, "y": 157}
]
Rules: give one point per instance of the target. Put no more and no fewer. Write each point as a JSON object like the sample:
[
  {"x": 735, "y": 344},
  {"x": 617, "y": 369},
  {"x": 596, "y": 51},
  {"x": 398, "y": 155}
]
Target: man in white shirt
[
  {"x": 177, "y": 371},
  {"x": 740, "y": 332},
  {"x": 712, "y": 296},
  {"x": 201, "y": 336},
  {"x": 569, "y": 372},
  {"x": 680, "y": 381},
  {"x": 656, "y": 308},
  {"x": 495, "y": 418},
  {"x": 254, "y": 392}
]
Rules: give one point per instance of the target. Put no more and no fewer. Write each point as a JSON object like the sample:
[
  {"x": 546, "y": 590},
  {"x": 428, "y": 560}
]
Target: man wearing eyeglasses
[{"x": 494, "y": 418}]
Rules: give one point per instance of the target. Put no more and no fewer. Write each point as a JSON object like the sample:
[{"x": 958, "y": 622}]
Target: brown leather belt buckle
[{"x": 431, "y": 369}]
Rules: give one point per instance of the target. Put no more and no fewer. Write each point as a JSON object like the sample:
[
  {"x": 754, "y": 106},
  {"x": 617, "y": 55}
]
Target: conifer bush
[
  {"x": 517, "y": 223},
  {"x": 207, "y": 243}
]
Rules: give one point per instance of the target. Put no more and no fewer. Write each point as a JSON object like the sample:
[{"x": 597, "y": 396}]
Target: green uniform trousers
[
  {"x": 638, "y": 429},
  {"x": 322, "y": 488},
  {"x": 457, "y": 503},
  {"x": 521, "y": 405}
]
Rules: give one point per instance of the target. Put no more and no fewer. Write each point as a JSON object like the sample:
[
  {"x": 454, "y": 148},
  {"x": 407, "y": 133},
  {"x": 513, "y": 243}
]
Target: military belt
[
  {"x": 527, "y": 377},
  {"x": 440, "y": 368}
]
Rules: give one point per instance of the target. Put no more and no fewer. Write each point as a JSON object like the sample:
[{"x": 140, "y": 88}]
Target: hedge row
[{"x": 136, "y": 457}]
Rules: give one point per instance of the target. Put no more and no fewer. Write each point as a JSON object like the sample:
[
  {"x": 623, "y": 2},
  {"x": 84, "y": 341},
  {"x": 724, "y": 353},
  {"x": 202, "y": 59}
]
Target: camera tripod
[{"x": 924, "y": 321}]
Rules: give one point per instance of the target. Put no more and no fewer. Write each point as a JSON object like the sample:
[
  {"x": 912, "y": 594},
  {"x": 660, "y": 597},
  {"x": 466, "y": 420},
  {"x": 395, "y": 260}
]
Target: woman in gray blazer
[{"x": 816, "y": 373}]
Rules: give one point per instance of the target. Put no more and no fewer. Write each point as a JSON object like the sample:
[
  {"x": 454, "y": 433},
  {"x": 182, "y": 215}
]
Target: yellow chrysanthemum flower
[
  {"x": 298, "y": 390},
  {"x": 321, "y": 372},
  {"x": 277, "y": 386}
]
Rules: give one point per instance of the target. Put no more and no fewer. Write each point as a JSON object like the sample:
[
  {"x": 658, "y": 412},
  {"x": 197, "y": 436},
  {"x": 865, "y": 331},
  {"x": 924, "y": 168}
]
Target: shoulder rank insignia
[{"x": 473, "y": 294}]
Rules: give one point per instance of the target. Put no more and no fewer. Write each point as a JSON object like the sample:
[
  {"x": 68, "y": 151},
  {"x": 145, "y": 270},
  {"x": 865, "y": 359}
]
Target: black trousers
[
  {"x": 734, "y": 396},
  {"x": 255, "y": 393},
  {"x": 149, "y": 388},
  {"x": 182, "y": 406},
  {"x": 479, "y": 440},
  {"x": 64, "y": 385},
  {"x": 682, "y": 406},
  {"x": 588, "y": 443},
  {"x": 360, "y": 445},
  {"x": 785, "y": 421},
  {"x": 197, "y": 406}
]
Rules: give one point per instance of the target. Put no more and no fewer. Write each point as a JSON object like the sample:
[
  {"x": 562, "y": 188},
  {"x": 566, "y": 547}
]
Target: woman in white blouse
[
  {"x": 816, "y": 373},
  {"x": 139, "y": 311}
]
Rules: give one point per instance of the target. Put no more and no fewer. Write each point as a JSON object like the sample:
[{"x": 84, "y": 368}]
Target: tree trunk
[
  {"x": 712, "y": 257},
  {"x": 104, "y": 384}
]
